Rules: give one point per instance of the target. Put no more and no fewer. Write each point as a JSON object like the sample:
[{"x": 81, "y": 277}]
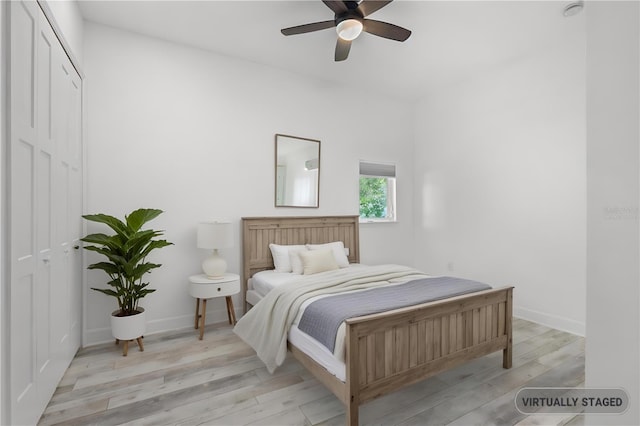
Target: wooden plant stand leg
[{"x": 125, "y": 349}]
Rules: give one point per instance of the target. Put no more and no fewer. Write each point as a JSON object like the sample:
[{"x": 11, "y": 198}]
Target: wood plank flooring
[{"x": 179, "y": 379}]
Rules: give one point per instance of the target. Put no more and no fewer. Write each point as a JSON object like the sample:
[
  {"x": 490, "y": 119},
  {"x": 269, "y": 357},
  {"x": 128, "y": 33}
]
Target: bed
[{"x": 384, "y": 351}]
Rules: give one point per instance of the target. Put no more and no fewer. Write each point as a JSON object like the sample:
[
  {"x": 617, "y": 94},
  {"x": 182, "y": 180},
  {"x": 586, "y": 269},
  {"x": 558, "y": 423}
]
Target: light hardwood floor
[{"x": 219, "y": 381}]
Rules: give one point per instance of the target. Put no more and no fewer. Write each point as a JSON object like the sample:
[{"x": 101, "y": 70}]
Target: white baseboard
[
  {"x": 96, "y": 336},
  {"x": 550, "y": 320},
  {"x": 101, "y": 335}
]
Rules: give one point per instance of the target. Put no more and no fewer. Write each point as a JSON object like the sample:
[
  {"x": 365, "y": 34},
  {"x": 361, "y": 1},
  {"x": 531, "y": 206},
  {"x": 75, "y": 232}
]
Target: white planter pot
[{"x": 128, "y": 328}]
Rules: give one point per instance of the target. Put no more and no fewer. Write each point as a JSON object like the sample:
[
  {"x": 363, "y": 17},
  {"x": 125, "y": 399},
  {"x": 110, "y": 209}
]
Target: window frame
[{"x": 387, "y": 171}]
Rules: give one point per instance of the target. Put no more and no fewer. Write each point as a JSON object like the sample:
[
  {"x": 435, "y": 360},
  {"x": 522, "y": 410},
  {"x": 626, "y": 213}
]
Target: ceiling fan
[{"x": 350, "y": 20}]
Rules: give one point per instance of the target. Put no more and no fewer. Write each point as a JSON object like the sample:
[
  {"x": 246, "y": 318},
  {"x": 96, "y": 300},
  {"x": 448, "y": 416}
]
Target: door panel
[
  {"x": 22, "y": 225},
  {"x": 44, "y": 368},
  {"x": 44, "y": 240},
  {"x": 23, "y": 346},
  {"x": 60, "y": 286},
  {"x": 23, "y": 30},
  {"x": 23, "y": 148}
]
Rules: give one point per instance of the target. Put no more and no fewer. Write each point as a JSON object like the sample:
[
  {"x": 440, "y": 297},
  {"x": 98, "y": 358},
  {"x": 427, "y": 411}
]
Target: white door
[{"x": 45, "y": 206}]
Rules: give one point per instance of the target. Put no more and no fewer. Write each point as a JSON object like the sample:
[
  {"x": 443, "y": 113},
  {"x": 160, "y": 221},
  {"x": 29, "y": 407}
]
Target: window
[{"x": 377, "y": 192}]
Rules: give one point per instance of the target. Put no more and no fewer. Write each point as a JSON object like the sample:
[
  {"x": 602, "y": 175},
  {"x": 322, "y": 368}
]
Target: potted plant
[{"x": 126, "y": 265}]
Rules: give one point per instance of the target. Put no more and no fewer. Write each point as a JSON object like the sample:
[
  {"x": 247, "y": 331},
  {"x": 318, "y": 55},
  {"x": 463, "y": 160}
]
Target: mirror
[{"x": 297, "y": 171}]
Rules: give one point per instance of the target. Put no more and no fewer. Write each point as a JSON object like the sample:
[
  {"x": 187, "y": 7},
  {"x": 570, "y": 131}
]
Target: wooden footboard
[{"x": 390, "y": 350}]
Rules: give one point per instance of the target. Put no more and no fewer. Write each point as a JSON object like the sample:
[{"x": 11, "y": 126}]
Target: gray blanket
[{"x": 322, "y": 318}]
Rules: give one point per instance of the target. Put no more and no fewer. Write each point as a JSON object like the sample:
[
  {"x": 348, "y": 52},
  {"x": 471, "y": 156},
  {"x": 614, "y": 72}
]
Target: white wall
[
  {"x": 613, "y": 57},
  {"x": 500, "y": 181},
  {"x": 192, "y": 133},
  {"x": 4, "y": 141}
]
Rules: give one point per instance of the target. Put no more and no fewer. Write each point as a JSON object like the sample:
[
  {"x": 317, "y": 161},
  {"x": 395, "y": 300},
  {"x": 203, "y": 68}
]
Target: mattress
[
  {"x": 318, "y": 352},
  {"x": 265, "y": 281}
]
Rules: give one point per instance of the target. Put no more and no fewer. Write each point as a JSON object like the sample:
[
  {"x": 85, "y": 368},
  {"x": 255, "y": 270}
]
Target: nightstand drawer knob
[{"x": 219, "y": 289}]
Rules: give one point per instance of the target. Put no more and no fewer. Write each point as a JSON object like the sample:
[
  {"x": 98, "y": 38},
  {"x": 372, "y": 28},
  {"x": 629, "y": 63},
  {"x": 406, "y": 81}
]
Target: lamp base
[{"x": 214, "y": 266}]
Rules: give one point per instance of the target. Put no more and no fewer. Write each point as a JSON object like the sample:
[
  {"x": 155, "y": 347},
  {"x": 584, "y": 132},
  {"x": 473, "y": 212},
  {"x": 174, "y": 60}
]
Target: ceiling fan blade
[
  {"x": 307, "y": 28},
  {"x": 367, "y": 7},
  {"x": 385, "y": 29},
  {"x": 342, "y": 49},
  {"x": 338, "y": 7}
]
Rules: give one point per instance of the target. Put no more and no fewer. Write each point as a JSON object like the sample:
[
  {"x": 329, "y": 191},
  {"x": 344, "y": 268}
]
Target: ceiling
[{"x": 450, "y": 40}]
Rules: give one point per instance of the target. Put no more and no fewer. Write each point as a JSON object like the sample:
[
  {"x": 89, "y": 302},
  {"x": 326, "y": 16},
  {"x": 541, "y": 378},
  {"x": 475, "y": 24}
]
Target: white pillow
[
  {"x": 337, "y": 248},
  {"x": 315, "y": 261},
  {"x": 296, "y": 261},
  {"x": 280, "y": 255}
]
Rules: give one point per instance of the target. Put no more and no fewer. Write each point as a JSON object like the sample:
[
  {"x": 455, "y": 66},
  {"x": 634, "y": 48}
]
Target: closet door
[
  {"x": 45, "y": 207},
  {"x": 73, "y": 210},
  {"x": 26, "y": 259},
  {"x": 67, "y": 209}
]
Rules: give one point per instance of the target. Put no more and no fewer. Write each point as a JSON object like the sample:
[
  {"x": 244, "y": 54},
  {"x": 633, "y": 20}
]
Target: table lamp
[{"x": 214, "y": 236}]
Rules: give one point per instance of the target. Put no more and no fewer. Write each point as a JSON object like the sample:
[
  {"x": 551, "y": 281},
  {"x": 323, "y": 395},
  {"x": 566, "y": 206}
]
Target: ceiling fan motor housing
[
  {"x": 351, "y": 14},
  {"x": 351, "y": 5}
]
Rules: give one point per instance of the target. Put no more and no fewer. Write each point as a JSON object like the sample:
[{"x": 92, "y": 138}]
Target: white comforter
[{"x": 265, "y": 327}]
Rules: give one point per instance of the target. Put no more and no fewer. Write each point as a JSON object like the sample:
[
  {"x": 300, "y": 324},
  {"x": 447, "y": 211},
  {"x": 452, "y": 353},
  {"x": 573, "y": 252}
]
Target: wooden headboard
[{"x": 259, "y": 232}]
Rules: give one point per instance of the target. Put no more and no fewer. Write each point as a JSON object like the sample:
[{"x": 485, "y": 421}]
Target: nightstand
[{"x": 202, "y": 288}]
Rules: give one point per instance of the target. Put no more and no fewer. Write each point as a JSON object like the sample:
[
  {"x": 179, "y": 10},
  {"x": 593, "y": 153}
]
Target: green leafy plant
[{"x": 126, "y": 251}]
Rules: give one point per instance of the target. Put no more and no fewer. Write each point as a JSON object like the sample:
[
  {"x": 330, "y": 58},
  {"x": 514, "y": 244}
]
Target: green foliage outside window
[{"x": 373, "y": 197}]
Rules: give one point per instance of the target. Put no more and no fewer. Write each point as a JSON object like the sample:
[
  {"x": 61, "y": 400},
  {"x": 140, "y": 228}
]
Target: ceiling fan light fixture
[{"x": 349, "y": 29}]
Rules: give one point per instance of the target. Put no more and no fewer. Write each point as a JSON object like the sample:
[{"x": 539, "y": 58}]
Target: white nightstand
[{"x": 202, "y": 288}]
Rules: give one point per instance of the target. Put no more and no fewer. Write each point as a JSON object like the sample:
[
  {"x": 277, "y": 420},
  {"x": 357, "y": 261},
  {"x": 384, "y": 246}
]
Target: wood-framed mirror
[{"x": 297, "y": 172}]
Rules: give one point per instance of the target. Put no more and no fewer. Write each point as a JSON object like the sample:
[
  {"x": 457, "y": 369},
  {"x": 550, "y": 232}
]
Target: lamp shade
[{"x": 215, "y": 235}]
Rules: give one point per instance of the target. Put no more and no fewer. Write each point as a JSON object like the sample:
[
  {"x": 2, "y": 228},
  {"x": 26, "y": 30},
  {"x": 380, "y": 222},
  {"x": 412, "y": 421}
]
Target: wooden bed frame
[{"x": 389, "y": 350}]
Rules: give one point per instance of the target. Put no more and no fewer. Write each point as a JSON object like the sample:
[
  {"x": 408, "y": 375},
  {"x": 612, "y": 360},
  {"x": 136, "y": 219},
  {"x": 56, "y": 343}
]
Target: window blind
[{"x": 377, "y": 169}]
